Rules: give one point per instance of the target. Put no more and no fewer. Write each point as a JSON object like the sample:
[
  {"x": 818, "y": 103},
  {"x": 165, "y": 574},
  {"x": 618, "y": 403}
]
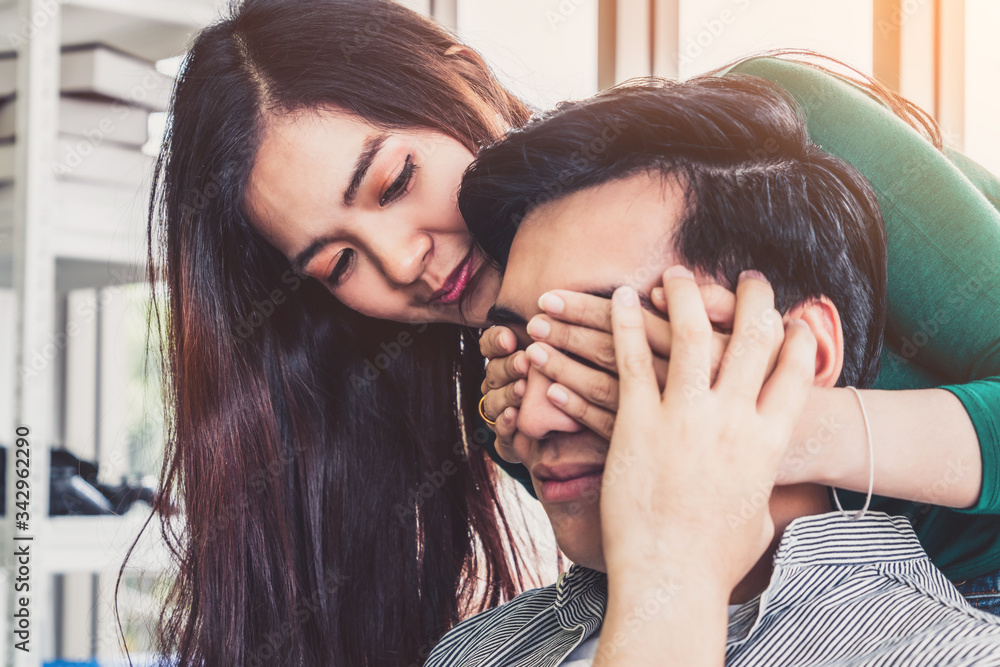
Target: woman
[{"x": 335, "y": 508}]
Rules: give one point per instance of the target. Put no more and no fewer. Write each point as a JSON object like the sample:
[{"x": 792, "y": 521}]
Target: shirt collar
[
  {"x": 831, "y": 539},
  {"x": 838, "y": 539},
  {"x": 822, "y": 539},
  {"x": 581, "y": 597}
]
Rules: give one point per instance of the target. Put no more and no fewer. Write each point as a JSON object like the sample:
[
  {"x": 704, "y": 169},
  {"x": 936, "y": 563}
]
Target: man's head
[{"x": 717, "y": 174}]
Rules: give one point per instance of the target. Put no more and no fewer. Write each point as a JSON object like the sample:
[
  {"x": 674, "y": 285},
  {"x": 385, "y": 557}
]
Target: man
[{"x": 718, "y": 176}]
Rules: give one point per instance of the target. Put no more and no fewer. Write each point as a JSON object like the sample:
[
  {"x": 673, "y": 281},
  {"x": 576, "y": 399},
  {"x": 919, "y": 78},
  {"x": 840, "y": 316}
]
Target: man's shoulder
[{"x": 477, "y": 634}]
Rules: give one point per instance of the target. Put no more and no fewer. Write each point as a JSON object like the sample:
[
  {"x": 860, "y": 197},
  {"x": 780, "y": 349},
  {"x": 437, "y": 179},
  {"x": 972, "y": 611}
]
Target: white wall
[
  {"x": 982, "y": 67},
  {"x": 716, "y": 32},
  {"x": 544, "y": 50}
]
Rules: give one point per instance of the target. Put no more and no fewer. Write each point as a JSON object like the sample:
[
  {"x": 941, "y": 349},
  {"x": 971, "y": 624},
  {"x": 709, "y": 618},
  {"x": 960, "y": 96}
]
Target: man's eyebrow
[
  {"x": 365, "y": 159},
  {"x": 504, "y": 316},
  {"x": 368, "y": 153},
  {"x": 644, "y": 300}
]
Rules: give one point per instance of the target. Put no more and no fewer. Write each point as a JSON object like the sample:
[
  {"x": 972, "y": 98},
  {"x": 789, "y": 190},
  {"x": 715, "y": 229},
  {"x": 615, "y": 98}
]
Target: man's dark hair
[{"x": 759, "y": 194}]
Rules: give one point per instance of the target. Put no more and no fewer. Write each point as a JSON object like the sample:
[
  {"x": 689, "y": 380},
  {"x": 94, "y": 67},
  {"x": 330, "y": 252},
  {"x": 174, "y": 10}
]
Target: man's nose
[{"x": 538, "y": 417}]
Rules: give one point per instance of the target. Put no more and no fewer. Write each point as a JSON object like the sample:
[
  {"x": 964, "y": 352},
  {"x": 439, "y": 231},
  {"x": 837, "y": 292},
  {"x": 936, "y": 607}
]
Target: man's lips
[
  {"x": 455, "y": 284},
  {"x": 567, "y": 482}
]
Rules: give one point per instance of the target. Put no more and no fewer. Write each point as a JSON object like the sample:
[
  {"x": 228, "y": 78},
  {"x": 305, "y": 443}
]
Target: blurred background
[{"x": 84, "y": 91}]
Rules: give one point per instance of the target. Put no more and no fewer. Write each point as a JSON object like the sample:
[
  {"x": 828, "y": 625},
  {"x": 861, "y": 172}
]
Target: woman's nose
[
  {"x": 403, "y": 257},
  {"x": 538, "y": 417}
]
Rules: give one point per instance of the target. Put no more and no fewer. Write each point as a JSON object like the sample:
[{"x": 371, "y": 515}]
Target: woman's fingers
[
  {"x": 503, "y": 371},
  {"x": 597, "y": 386},
  {"x": 597, "y": 419},
  {"x": 506, "y": 371},
  {"x": 720, "y": 303},
  {"x": 691, "y": 356},
  {"x": 593, "y": 312},
  {"x": 595, "y": 346},
  {"x": 498, "y": 400},
  {"x": 505, "y": 426},
  {"x": 637, "y": 379},
  {"x": 592, "y": 384},
  {"x": 785, "y": 391},
  {"x": 757, "y": 335},
  {"x": 498, "y": 341}
]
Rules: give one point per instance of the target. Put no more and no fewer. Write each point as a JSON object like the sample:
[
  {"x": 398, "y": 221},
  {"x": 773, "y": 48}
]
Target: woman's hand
[
  {"x": 702, "y": 447},
  {"x": 503, "y": 388},
  {"x": 580, "y": 324}
]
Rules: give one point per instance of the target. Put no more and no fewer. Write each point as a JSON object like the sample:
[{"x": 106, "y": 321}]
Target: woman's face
[{"x": 373, "y": 215}]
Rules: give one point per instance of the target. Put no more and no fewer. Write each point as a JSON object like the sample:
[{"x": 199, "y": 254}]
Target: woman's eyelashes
[
  {"x": 343, "y": 264},
  {"x": 402, "y": 183}
]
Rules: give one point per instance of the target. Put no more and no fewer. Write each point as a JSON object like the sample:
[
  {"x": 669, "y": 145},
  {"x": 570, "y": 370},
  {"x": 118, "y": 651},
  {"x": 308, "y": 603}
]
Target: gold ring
[{"x": 483, "y": 414}]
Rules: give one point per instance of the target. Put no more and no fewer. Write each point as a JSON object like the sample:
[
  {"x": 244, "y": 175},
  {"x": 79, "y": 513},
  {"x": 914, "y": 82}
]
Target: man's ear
[{"x": 823, "y": 319}]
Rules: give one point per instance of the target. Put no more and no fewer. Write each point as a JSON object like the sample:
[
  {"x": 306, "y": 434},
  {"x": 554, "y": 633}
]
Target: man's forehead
[{"x": 591, "y": 241}]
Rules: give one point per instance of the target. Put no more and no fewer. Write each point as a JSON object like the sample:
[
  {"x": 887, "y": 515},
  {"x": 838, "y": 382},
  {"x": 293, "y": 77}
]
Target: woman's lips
[
  {"x": 456, "y": 283},
  {"x": 569, "y": 489}
]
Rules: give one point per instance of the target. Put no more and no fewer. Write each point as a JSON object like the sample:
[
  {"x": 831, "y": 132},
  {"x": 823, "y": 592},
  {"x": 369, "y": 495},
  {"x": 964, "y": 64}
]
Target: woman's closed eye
[
  {"x": 399, "y": 186},
  {"x": 343, "y": 264}
]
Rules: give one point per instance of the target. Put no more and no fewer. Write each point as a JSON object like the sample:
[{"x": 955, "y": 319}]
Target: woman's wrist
[
  {"x": 674, "y": 615},
  {"x": 828, "y": 445},
  {"x": 926, "y": 448},
  {"x": 678, "y": 558}
]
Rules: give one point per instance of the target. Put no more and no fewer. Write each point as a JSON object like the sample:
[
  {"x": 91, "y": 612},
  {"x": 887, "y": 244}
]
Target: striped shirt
[{"x": 843, "y": 592}]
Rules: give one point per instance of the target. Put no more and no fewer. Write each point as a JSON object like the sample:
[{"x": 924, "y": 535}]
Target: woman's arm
[
  {"x": 943, "y": 238},
  {"x": 926, "y": 449}
]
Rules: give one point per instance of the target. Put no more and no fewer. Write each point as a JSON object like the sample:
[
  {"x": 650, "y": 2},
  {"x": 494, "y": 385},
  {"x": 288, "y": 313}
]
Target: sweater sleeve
[{"x": 943, "y": 243}]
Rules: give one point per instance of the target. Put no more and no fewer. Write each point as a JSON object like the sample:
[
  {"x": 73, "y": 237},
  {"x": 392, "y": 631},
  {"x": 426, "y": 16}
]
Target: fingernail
[
  {"x": 509, "y": 341},
  {"x": 679, "y": 271},
  {"x": 551, "y": 303},
  {"x": 537, "y": 355},
  {"x": 521, "y": 364},
  {"x": 755, "y": 275},
  {"x": 657, "y": 294},
  {"x": 538, "y": 328},
  {"x": 626, "y": 296},
  {"x": 519, "y": 388},
  {"x": 796, "y": 322},
  {"x": 557, "y": 395}
]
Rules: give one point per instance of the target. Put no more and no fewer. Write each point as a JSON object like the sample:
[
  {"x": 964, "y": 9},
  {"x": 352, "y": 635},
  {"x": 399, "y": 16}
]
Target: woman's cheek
[{"x": 366, "y": 297}]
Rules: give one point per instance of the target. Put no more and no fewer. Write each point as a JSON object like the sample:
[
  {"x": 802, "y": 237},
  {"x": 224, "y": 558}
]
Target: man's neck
[{"x": 787, "y": 504}]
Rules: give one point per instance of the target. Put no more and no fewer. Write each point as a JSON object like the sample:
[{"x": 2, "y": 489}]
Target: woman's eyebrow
[{"x": 368, "y": 154}]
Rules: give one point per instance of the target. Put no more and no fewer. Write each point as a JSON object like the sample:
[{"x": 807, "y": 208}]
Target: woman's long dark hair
[{"x": 337, "y": 505}]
